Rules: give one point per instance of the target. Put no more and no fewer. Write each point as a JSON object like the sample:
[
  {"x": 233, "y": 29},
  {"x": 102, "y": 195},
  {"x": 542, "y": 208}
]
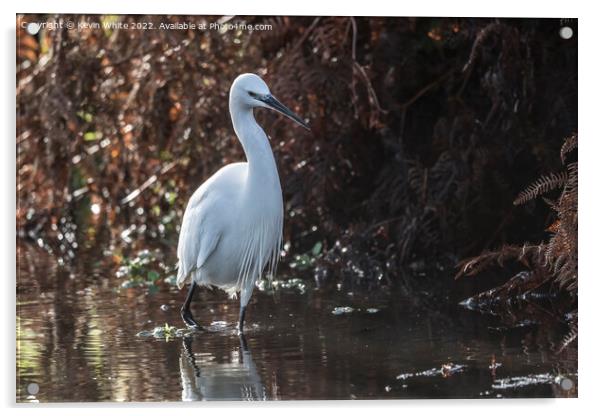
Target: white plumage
[
  {"x": 229, "y": 233},
  {"x": 232, "y": 226}
]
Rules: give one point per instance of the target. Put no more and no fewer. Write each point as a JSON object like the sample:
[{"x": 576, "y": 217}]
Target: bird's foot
[
  {"x": 241, "y": 320},
  {"x": 189, "y": 320},
  {"x": 243, "y": 342}
]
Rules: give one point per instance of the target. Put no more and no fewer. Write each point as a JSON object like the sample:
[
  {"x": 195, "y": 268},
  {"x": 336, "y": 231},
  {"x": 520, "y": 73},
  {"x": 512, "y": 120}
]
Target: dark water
[{"x": 77, "y": 341}]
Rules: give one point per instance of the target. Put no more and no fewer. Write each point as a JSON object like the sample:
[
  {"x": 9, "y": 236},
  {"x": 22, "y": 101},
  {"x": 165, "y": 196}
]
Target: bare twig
[
  {"x": 357, "y": 67},
  {"x": 426, "y": 89},
  {"x": 136, "y": 192}
]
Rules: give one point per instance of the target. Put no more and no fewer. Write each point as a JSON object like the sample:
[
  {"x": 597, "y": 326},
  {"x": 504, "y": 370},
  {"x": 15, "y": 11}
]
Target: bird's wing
[{"x": 198, "y": 236}]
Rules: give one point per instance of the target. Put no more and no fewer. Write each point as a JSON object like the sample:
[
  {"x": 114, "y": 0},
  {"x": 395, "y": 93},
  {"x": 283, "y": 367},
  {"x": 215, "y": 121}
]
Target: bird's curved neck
[{"x": 255, "y": 143}]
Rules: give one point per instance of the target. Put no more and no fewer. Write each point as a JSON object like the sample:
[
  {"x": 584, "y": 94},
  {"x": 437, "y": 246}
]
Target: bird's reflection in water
[{"x": 204, "y": 379}]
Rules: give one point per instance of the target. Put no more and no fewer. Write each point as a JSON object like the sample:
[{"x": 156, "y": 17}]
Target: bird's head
[{"x": 249, "y": 90}]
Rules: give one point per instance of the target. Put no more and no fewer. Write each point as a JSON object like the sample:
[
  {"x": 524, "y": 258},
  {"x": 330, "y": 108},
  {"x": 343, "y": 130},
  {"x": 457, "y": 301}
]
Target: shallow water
[{"x": 78, "y": 340}]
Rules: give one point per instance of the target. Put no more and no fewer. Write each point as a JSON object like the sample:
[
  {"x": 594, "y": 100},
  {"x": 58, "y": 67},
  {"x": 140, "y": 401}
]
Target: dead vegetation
[
  {"x": 552, "y": 264},
  {"x": 423, "y": 132},
  {"x": 552, "y": 261}
]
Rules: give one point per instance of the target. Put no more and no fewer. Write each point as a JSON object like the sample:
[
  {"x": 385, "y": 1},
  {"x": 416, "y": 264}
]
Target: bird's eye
[{"x": 252, "y": 94}]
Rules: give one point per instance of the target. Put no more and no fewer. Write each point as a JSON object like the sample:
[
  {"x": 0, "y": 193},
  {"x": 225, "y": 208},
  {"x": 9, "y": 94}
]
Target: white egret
[{"x": 232, "y": 226}]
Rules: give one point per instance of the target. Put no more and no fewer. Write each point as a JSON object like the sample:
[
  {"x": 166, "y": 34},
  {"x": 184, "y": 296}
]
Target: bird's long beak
[{"x": 273, "y": 103}]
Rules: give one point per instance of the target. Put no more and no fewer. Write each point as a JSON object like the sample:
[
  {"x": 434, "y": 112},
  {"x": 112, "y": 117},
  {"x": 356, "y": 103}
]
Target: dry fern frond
[
  {"x": 570, "y": 337},
  {"x": 569, "y": 145},
  {"x": 542, "y": 185},
  {"x": 477, "y": 264},
  {"x": 482, "y": 36},
  {"x": 556, "y": 260}
]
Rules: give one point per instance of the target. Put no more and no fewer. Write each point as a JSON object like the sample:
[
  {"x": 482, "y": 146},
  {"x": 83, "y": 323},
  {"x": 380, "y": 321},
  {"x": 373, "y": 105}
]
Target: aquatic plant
[
  {"x": 142, "y": 270},
  {"x": 306, "y": 260},
  {"x": 166, "y": 332}
]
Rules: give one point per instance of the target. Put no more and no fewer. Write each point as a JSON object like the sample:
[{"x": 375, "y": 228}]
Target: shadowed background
[{"x": 424, "y": 129}]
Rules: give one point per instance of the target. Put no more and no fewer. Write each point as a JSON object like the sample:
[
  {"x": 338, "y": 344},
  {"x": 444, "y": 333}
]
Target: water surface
[{"x": 77, "y": 341}]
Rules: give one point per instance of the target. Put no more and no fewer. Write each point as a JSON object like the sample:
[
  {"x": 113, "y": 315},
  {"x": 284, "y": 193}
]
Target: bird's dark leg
[
  {"x": 243, "y": 342},
  {"x": 244, "y": 349},
  {"x": 185, "y": 311},
  {"x": 241, "y": 319},
  {"x": 190, "y": 355}
]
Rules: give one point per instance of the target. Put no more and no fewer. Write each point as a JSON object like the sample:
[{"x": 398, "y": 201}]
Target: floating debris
[
  {"x": 451, "y": 368},
  {"x": 445, "y": 371},
  {"x": 470, "y": 304},
  {"x": 165, "y": 332},
  {"x": 522, "y": 381},
  {"x": 427, "y": 373},
  {"x": 498, "y": 299},
  {"x": 520, "y": 324},
  {"x": 340, "y": 310}
]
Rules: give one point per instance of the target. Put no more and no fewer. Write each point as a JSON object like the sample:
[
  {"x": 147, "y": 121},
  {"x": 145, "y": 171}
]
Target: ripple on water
[
  {"x": 529, "y": 380},
  {"x": 445, "y": 370},
  {"x": 77, "y": 341}
]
